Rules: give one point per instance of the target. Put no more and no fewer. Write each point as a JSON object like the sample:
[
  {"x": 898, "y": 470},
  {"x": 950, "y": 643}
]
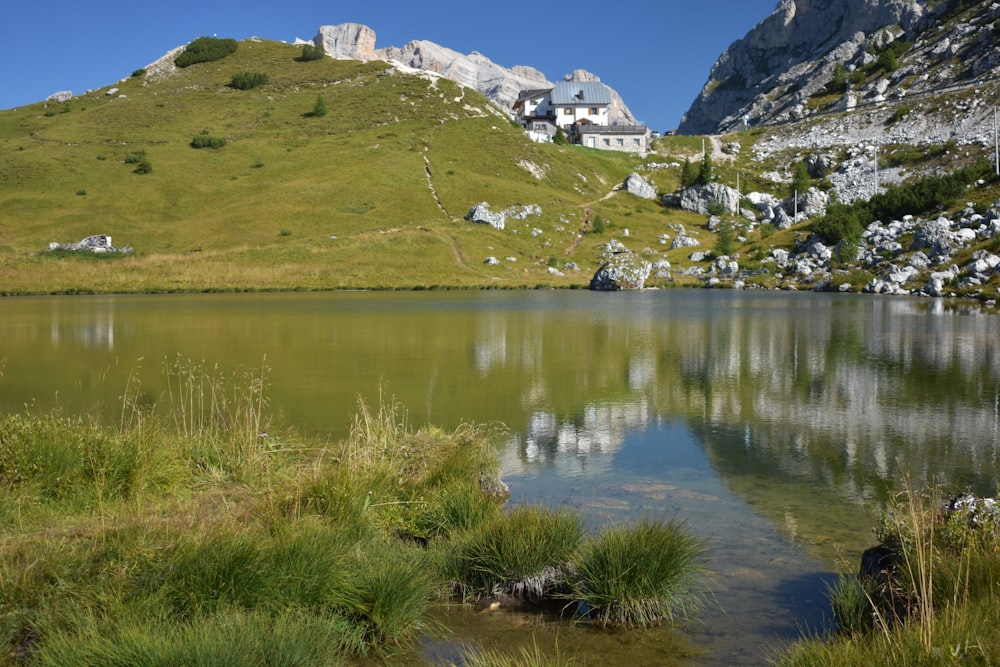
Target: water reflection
[{"x": 780, "y": 423}]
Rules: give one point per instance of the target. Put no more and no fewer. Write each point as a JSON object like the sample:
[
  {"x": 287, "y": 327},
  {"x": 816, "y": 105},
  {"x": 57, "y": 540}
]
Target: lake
[{"x": 777, "y": 425}]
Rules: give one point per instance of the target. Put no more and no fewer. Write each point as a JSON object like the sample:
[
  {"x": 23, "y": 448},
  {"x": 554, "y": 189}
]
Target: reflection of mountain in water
[
  {"x": 95, "y": 331},
  {"x": 580, "y": 445},
  {"x": 850, "y": 393}
]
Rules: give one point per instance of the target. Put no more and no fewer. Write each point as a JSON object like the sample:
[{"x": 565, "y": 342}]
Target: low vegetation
[
  {"x": 198, "y": 531},
  {"x": 205, "y": 49},
  {"x": 931, "y": 599}
]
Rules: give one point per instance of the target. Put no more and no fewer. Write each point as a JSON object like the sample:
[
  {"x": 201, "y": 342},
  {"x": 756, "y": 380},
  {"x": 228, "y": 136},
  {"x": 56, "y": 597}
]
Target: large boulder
[
  {"x": 481, "y": 213},
  {"x": 623, "y": 271},
  {"x": 639, "y": 186},
  {"x": 934, "y": 235},
  {"x": 701, "y": 198}
]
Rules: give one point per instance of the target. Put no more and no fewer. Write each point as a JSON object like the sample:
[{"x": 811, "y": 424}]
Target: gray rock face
[
  {"x": 623, "y": 271},
  {"x": 798, "y": 45},
  {"x": 351, "y": 41},
  {"x": 499, "y": 84}
]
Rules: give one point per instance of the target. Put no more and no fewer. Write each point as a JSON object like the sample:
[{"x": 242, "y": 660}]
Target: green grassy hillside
[{"x": 389, "y": 171}]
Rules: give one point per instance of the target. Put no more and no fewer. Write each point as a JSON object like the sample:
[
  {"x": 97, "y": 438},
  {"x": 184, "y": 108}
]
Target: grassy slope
[{"x": 260, "y": 212}]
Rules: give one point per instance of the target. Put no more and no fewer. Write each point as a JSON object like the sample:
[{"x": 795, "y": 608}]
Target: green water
[{"x": 776, "y": 424}]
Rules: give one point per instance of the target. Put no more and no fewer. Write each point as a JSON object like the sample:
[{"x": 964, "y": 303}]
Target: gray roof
[{"x": 580, "y": 92}]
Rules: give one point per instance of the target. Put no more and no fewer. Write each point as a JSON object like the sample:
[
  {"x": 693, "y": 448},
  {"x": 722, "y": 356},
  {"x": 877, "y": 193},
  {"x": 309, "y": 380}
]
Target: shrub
[
  {"x": 311, "y": 52},
  {"x": 205, "y": 49},
  {"x": 597, "y": 226},
  {"x": 560, "y": 137},
  {"x": 139, "y": 73},
  {"x": 248, "y": 80},
  {"x": 135, "y": 158},
  {"x": 144, "y": 167},
  {"x": 319, "y": 108},
  {"x": 639, "y": 574},
  {"x": 206, "y": 141}
]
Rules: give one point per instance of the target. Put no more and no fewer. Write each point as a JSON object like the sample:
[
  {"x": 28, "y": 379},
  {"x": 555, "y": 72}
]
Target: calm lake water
[{"x": 776, "y": 424}]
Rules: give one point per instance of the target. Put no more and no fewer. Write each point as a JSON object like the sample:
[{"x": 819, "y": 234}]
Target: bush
[
  {"x": 206, "y": 141},
  {"x": 139, "y": 73},
  {"x": 205, "y": 49},
  {"x": 319, "y": 108},
  {"x": 248, "y": 80},
  {"x": 144, "y": 167},
  {"x": 311, "y": 52}
]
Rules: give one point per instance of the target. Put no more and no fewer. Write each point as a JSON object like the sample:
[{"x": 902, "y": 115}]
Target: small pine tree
[
  {"x": 688, "y": 174},
  {"x": 725, "y": 242},
  {"x": 800, "y": 178},
  {"x": 705, "y": 171},
  {"x": 319, "y": 109},
  {"x": 560, "y": 137}
]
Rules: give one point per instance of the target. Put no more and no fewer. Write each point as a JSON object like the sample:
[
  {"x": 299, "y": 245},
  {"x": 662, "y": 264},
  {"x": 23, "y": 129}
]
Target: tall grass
[
  {"x": 938, "y": 601},
  {"x": 639, "y": 574},
  {"x": 228, "y": 416}
]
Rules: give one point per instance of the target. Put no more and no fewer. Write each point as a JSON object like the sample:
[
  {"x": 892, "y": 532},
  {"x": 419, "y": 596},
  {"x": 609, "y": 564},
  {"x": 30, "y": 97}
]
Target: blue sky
[{"x": 656, "y": 54}]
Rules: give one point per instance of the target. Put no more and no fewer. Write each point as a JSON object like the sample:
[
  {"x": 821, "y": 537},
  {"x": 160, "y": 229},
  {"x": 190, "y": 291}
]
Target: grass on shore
[
  {"x": 196, "y": 531},
  {"x": 935, "y": 600}
]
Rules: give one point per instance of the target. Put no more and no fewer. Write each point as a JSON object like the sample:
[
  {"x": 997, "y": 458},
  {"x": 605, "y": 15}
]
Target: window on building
[
  {"x": 621, "y": 142},
  {"x": 636, "y": 141},
  {"x": 607, "y": 142},
  {"x": 593, "y": 111},
  {"x": 568, "y": 111}
]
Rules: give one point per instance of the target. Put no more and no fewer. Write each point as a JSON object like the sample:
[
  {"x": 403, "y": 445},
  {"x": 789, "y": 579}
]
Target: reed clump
[{"x": 928, "y": 594}]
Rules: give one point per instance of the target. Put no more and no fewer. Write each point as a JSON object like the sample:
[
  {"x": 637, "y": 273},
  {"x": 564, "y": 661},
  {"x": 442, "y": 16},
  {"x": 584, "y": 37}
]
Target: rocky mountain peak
[
  {"x": 474, "y": 70},
  {"x": 783, "y": 68}
]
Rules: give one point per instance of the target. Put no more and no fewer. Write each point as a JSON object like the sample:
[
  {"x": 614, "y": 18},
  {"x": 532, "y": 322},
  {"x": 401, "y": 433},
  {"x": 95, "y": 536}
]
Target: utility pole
[
  {"x": 875, "y": 189},
  {"x": 996, "y": 148}
]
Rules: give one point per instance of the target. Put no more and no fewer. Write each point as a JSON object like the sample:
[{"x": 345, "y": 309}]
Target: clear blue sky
[{"x": 656, "y": 54}]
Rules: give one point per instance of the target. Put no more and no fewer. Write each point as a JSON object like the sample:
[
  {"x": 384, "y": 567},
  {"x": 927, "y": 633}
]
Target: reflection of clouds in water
[{"x": 580, "y": 445}]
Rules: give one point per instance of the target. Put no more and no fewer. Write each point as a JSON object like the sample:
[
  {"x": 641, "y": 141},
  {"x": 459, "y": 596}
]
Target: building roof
[{"x": 580, "y": 92}]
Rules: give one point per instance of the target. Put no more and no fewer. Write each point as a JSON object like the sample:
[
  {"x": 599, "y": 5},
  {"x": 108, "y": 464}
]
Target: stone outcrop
[
  {"x": 622, "y": 271},
  {"x": 474, "y": 70},
  {"x": 481, "y": 213},
  {"x": 98, "y": 243}
]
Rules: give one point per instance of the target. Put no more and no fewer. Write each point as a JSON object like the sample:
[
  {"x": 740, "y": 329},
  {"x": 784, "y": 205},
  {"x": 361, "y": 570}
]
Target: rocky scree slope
[{"x": 815, "y": 56}]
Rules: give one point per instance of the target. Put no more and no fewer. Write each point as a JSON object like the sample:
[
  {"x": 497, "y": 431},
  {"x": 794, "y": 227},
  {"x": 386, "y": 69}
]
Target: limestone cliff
[{"x": 786, "y": 67}]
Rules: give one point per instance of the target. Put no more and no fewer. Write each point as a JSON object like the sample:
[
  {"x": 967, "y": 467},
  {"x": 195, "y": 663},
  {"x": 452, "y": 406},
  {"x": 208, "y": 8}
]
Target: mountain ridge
[
  {"x": 499, "y": 84},
  {"x": 787, "y": 66}
]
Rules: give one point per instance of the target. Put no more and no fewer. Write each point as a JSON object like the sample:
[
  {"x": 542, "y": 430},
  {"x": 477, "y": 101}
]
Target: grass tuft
[{"x": 639, "y": 574}]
